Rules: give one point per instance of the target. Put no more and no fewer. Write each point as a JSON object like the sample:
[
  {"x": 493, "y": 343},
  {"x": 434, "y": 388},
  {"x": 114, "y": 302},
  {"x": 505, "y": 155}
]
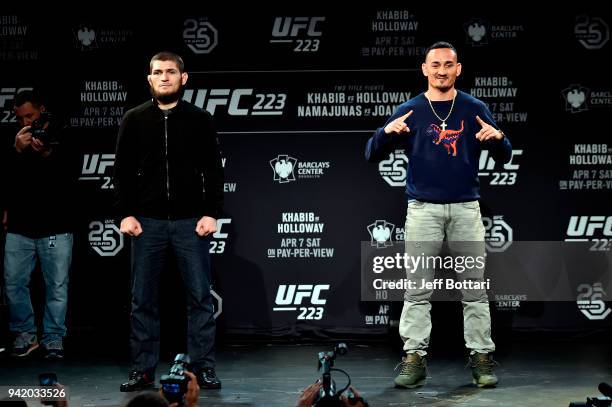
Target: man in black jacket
[
  {"x": 38, "y": 212},
  {"x": 169, "y": 184}
]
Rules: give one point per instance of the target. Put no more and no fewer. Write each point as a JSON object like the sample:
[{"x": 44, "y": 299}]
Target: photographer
[
  {"x": 37, "y": 220},
  {"x": 324, "y": 393},
  {"x": 193, "y": 392},
  {"x": 158, "y": 399}
]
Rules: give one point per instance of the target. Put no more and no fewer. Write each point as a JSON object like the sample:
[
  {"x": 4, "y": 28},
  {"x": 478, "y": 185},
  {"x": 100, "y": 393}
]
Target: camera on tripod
[
  {"x": 174, "y": 384},
  {"x": 328, "y": 394},
  {"x": 38, "y": 129}
]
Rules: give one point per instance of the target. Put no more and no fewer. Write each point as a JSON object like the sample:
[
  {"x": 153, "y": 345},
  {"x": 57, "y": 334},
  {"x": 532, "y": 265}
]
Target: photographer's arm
[
  {"x": 57, "y": 403},
  {"x": 193, "y": 391},
  {"x": 308, "y": 395},
  {"x": 44, "y": 150},
  {"x": 23, "y": 139},
  {"x": 354, "y": 399}
]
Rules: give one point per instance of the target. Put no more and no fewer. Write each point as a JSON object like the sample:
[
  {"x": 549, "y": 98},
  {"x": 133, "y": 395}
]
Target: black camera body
[
  {"x": 47, "y": 379},
  {"x": 328, "y": 394},
  {"x": 605, "y": 401},
  {"x": 593, "y": 402},
  {"x": 174, "y": 384},
  {"x": 38, "y": 130}
]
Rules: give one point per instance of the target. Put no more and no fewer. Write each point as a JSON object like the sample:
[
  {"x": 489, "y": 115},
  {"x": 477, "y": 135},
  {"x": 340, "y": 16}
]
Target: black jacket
[
  {"x": 39, "y": 192},
  {"x": 168, "y": 166}
]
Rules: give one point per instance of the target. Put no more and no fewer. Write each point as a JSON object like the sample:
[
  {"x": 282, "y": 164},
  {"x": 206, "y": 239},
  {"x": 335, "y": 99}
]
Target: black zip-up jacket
[
  {"x": 168, "y": 163},
  {"x": 38, "y": 192}
]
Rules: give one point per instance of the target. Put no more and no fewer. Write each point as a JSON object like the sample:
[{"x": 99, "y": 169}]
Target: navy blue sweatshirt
[{"x": 442, "y": 165}]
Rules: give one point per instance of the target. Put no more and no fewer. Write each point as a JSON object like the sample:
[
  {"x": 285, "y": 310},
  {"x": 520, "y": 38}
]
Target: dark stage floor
[{"x": 538, "y": 372}]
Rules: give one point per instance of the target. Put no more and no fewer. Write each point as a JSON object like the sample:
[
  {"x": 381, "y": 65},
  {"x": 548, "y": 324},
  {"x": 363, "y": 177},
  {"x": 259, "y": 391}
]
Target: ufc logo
[
  {"x": 7, "y": 94},
  {"x": 487, "y": 162},
  {"x": 291, "y": 26},
  {"x": 97, "y": 163},
  {"x": 220, "y": 222},
  {"x": 219, "y": 97},
  {"x": 588, "y": 225},
  {"x": 294, "y": 294}
]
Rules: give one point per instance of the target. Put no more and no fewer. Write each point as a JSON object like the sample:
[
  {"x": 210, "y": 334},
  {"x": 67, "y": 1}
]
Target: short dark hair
[
  {"x": 168, "y": 56},
  {"x": 31, "y": 96},
  {"x": 440, "y": 44},
  {"x": 148, "y": 399}
]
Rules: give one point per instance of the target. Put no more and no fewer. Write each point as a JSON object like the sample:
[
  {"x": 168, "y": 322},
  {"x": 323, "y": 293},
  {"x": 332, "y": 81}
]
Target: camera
[
  {"x": 605, "y": 401},
  {"x": 328, "y": 394},
  {"x": 38, "y": 129},
  {"x": 174, "y": 384},
  {"x": 47, "y": 379},
  {"x": 50, "y": 380}
]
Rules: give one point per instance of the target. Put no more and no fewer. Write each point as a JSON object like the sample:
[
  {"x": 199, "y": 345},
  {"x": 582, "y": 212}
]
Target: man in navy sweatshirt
[{"x": 443, "y": 131}]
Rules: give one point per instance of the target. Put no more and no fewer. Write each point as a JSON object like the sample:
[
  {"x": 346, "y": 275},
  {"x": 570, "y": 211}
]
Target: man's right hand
[
  {"x": 130, "y": 226},
  {"x": 398, "y": 126},
  {"x": 23, "y": 139},
  {"x": 193, "y": 391},
  {"x": 357, "y": 401}
]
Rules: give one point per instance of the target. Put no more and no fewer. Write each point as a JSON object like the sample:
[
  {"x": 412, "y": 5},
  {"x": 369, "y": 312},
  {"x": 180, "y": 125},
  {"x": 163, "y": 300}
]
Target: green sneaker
[
  {"x": 482, "y": 370},
  {"x": 413, "y": 373}
]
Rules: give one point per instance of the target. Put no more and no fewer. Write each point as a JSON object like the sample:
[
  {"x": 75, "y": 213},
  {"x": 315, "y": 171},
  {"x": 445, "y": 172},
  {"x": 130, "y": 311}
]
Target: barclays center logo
[
  {"x": 381, "y": 234},
  {"x": 288, "y": 169},
  {"x": 476, "y": 31},
  {"x": 481, "y": 32},
  {"x": 580, "y": 99},
  {"x": 576, "y": 97},
  {"x": 283, "y": 168},
  {"x": 85, "y": 38}
]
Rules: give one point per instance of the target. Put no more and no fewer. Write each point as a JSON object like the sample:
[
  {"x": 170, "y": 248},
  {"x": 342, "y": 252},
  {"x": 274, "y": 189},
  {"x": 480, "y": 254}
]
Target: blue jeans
[
  {"x": 148, "y": 259},
  {"x": 55, "y": 255}
]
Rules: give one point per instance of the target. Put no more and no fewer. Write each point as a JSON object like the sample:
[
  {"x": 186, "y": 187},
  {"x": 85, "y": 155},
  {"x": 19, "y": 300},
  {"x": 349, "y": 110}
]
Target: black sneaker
[
  {"x": 25, "y": 343},
  {"x": 482, "y": 370},
  {"x": 207, "y": 378},
  {"x": 137, "y": 381},
  {"x": 54, "y": 350}
]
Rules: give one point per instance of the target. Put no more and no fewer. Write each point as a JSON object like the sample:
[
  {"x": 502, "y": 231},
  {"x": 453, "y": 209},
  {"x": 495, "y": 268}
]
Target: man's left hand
[
  {"x": 487, "y": 131},
  {"x": 37, "y": 145},
  {"x": 206, "y": 225}
]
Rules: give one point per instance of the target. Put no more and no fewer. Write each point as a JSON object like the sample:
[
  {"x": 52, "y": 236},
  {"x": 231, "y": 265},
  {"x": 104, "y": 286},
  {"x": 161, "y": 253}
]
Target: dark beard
[
  {"x": 167, "y": 98},
  {"x": 446, "y": 88}
]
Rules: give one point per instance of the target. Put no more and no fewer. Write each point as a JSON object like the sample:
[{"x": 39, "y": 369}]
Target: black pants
[{"x": 148, "y": 259}]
